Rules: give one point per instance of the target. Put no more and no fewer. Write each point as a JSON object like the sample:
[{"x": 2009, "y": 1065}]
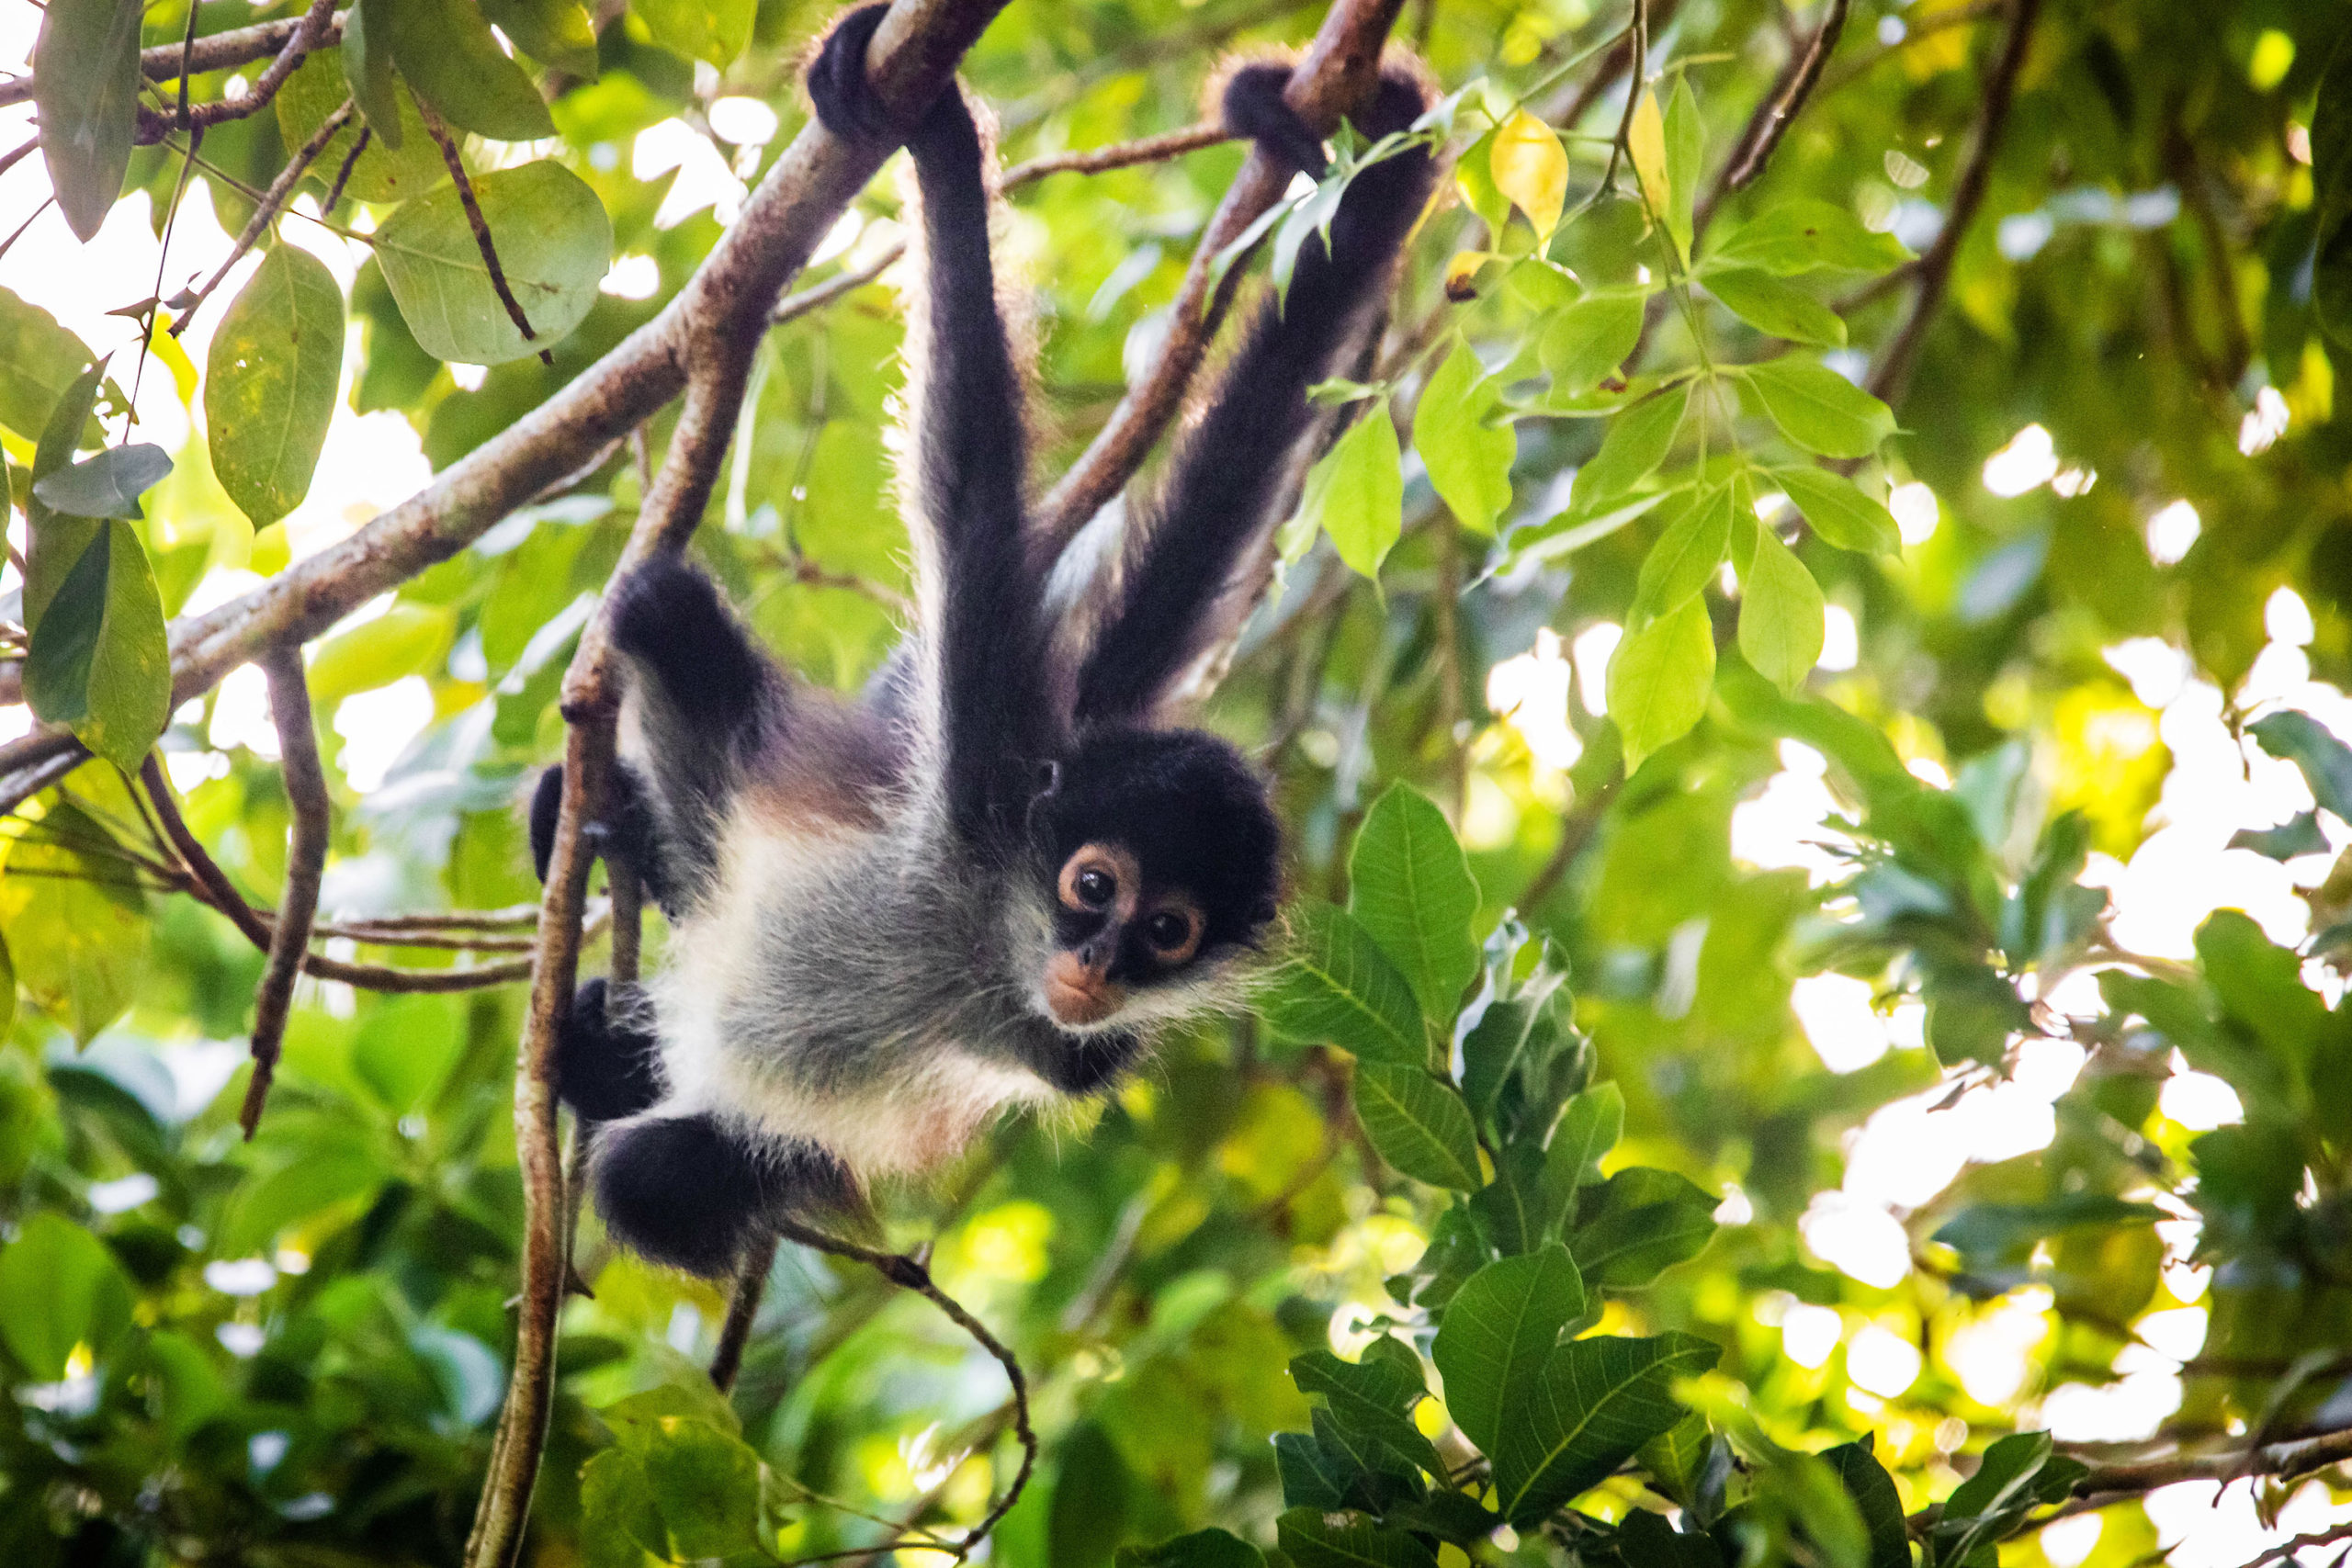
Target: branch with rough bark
[
  {"x": 214, "y": 51},
  {"x": 310, "y": 31}
]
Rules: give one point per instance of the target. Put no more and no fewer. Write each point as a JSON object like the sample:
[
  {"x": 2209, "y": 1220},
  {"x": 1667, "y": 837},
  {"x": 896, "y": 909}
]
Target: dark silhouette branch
[{"x": 306, "y": 863}]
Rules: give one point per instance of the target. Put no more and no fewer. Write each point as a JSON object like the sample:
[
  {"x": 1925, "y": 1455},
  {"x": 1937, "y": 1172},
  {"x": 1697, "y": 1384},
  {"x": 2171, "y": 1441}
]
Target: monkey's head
[{"x": 1163, "y": 856}]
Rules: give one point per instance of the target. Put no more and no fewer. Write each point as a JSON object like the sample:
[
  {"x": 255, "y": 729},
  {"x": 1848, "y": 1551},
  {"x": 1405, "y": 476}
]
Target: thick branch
[
  {"x": 215, "y": 52},
  {"x": 1777, "y": 113},
  {"x": 306, "y": 863},
  {"x": 310, "y": 32},
  {"x": 1338, "y": 71},
  {"x": 1934, "y": 271}
]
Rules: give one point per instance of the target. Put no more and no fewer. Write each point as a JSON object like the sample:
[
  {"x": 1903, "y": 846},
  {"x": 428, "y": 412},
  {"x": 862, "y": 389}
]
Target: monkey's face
[{"x": 1162, "y": 853}]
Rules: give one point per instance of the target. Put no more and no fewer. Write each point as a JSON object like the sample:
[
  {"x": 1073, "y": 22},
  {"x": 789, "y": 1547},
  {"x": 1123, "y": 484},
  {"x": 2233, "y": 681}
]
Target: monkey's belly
[{"x": 908, "y": 1123}]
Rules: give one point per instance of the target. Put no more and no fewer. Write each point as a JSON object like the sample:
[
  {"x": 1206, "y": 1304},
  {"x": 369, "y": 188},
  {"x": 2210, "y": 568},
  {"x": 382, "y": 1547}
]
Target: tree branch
[
  {"x": 1893, "y": 374},
  {"x": 215, "y": 52},
  {"x": 742, "y": 1310},
  {"x": 1336, "y": 70},
  {"x": 309, "y": 33},
  {"x": 306, "y": 863},
  {"x": 1775, "y": 114},
  {"x": 908, "y": 1273},
  {"x": 266, "y": 211},
  {"x": 481, "y": 226}
]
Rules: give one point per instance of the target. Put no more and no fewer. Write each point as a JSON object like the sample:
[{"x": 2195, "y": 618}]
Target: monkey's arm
[
  {"x": 970, "y": 449},
  {"x": 1218, "y": 499}
]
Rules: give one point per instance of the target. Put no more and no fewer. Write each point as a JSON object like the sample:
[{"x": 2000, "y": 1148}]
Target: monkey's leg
[{"x": 692, "y": 1193}]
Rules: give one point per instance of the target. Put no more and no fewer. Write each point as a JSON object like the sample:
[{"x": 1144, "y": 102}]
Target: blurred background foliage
[{"x": 1910, "y": 965}]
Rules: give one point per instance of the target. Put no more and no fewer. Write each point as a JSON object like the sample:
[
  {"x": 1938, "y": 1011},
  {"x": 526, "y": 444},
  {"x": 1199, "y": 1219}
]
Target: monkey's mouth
[{"x": 1078, "y": 995}]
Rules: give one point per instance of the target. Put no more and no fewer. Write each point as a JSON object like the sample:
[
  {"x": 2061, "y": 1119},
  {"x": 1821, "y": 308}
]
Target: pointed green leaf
[
  {"x": 1637, "y": 441},
  {"x": 98, "y": 659},
  {"x": 86, "y": 77},
  {"x": 1202, "y": 1549},
  {"x": 1796, "y": 234},
  {"x": 1839, "y": 512},
  {"x": 1598, "y": 1400},
  {"x": 1685, "y": 137},
  {"x": 620, "y": 1522},
  {"x": 1684, "y": 559},
  {"x": 554, "y": 246},
  {"x": 1875, "y": 1499},
  {"x": 108, "y": 485},
  {"x": 1585, "y": 342},
  {"x": 1588, "y": 1129},
  {"x": 707, "y": 1484},
  {"x": 1775, "y": 308},
  {"x": 1820, "y": 410},
  {"x": 1498, "y": 1332},
  {"x": 1645, "y": 1222},
  {"x": 1312, "y": 1538},
  {"x": 1418, "y": 1124},
  {"x": 1781, "y": 614},
  {"x": 1411, "y": 890},
  {"x": 1334, "y": 983},
  {"x": 1355, "y": 492},
  {"x": 270, "y": 381},
  {"x": 446, "y": 52},
  {"x": 1373, "y": 1395},
  {"x": 2325, "y": 762},
  {"x": 1659, "y": 679},
  {"x": 407, "y": 639},
  {"x": 1515, "y": 1030},
  {"x": 1468, "y": 458}
]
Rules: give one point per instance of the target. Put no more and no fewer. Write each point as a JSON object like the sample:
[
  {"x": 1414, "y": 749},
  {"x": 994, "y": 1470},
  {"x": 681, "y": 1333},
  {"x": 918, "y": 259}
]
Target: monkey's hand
[
  {"x": 843, "y": 96},
  {"x": 625, "y": 832},
  {"x": 605, "y": 1068},
  {"x": 1255, "y": 107}
]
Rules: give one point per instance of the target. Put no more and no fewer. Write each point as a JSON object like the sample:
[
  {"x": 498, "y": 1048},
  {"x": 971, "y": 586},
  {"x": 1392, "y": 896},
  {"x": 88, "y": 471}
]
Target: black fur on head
[{"x": 1190, "y": 810}]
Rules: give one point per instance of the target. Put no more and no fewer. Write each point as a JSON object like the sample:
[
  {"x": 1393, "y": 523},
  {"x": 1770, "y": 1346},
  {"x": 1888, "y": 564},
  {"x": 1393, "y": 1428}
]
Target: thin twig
[
  {"x": 742, "y": 1310},
  {"x": 15, "y": 155},
  {"x": 2286, "y": 1551},
  {"x": 818, "y": 295},
  {"x": 309, "y": 33},
  {"x": 1893, "y": 374},
  {"x": 265, "y": 211},
  {"x": 214, "y": 51},
  {"x": 342, "y": 176},
  {"x": 481, "y": 226},
  {"x": 906, "y": 1272},
  {"x": 306, "y": 863},
  {"x": 1638, "y": 37},
  {"x": 1778, "y": 112},
  {"x": 1574, "y": 833},
  {"x": 1568, "y": 112}
]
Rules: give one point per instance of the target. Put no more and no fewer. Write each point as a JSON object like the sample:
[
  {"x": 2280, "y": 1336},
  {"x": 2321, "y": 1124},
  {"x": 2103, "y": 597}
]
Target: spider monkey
[{"x": 984, "y": 882}]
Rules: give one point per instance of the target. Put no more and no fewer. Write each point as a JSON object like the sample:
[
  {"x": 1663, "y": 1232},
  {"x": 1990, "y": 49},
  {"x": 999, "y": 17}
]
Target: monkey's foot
[{"x": 605, "y": 1068}]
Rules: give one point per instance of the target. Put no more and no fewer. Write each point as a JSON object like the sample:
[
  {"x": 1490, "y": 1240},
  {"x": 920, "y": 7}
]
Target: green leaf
[
  {"x": 1355, "y": 492},
  {"x": 1781, "y": 614},
  {"x": 368, "y": 72},
  {"x": 2325, "y": 762},
  {"x": 1586, "y": 343},
  {"x": 1637, "y": 441},
  {"x": 391, "y": 168},
  {"x": 554, "y": 246},
  {"x": 1412, "y": 891},
  {"x": 99, "y": 659},
  {"x": 1598, "y": 1400},
  {"x": 1334, "y": 985},
  {"x": 1684, "y": 559},
  {"x": 556, "y": 31},
  {"x": 1312, "y": 1476},
  {"x": 1643, "y": 1222},
  {"x": 620, "y": 1523},
  {"x": 108, "y": 485},
  {"x": 1796, "y": 234},
  {"x": 1312, "y": 1538},
  {"x": 1474, "y": 175},
  {"x": 1515, "y": 1032},
  {"x": 64, "y": 1289},
  {"x": 2299, "y": 835},
  {"x": 270, "y": 383},
  {"x": 1646, "y": 1541},
  {"x": 1373, "y": 1395},
  {"x": 407, "y": 639},
  {"x": 1676, "y": 1460},
  {"x": 1839, "y": 512},
  {"x": 1819, "y": 410},
  {"x": 1498, "y": 1332},
  {"x": 1468, "y": 458},
  {"x": 1774, "y": 307},
  {"x": 445, "y": 52},
  {"x": 1660, "y": 678},
  {"x": 76, "y": 921},
  {"x": 1588, "y": 1129},
  {"x": 1685, "y": 141},
  {"x": 1875, "y": 1499},
  {"x": 39, "y": 360},
  {"x": 1202, "y": 1549},
  {"x": 706, "y": 1483},
  {"x": 1418, "y": 1124},
  {"x": 86, "y": 77},
  {"x": 715, "y": 30}
]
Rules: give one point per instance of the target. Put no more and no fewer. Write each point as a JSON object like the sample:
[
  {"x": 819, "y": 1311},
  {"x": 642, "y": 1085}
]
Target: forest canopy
[{"x": 1803, "y": 678}]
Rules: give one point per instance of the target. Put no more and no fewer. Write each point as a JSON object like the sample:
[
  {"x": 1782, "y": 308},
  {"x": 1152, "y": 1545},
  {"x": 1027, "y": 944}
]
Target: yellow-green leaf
[
  {"x": 1645, "y": 142},
  {"x": 407, "y": 639},
  {"x": 270, "y": 383},
  {"x": 1781, "y": 614},
  {"x": 554, "y": 246},
  {"x": 1529, "y": 166},
  {"x": 400, "y": 159},
  {"x": 1469, "y": 456},
  {"x": 1356, "y": 494},
  {"x": 75, "y": 920},
  {"x": 1660, "y": 678},
  {"x": 715, "y": 30}
]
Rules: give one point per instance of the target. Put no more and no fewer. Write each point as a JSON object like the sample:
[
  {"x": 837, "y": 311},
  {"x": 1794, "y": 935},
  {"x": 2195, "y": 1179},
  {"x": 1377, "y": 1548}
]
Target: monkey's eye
[
  {"x": 1096, "y": 887},
  {"x": 1173, "y": 933}
]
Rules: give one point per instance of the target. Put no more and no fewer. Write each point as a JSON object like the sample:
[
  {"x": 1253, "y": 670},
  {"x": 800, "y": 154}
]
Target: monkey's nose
[{"x": 1076, "y": 991}]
